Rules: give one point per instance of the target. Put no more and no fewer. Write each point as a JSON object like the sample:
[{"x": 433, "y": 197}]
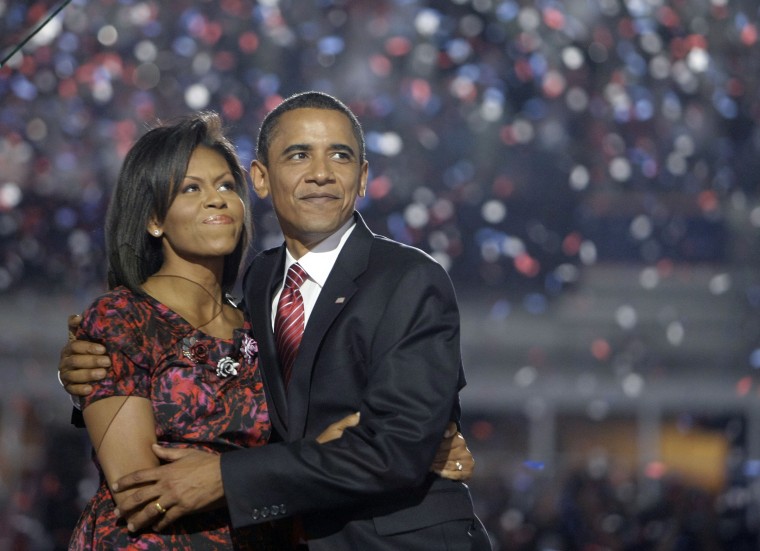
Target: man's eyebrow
[
  {"x": 296, "y": 147},
  {"x": 306, "y": 147},
  {"x": 343, "y": 147}
]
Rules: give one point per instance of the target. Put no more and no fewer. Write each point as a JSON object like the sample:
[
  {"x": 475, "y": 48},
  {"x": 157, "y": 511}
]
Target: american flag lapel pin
[{"x": 340, "y": 300}]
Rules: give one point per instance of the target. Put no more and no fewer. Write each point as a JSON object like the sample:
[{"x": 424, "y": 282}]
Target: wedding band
[
  {"x": 458, "y": 464},
  {"x": 159, "y": 508}
]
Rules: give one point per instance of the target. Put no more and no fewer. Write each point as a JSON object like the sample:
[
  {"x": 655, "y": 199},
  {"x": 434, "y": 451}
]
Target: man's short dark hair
[{"x": 305, "y": 100}]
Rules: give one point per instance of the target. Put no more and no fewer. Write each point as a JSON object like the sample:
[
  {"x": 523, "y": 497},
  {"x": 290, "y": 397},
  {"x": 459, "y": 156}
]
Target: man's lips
[{"x": 318, "y": 197}]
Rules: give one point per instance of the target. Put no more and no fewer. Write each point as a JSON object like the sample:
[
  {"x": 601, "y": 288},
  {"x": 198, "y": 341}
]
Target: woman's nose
[{"x": 215, "y": 199}]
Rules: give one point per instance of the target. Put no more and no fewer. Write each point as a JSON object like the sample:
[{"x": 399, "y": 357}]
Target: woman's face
[{"x": 206, "y": 218}]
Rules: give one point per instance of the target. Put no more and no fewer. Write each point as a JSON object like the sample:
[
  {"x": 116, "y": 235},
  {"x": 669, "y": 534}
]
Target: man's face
[{"x": 314, "y": 176}]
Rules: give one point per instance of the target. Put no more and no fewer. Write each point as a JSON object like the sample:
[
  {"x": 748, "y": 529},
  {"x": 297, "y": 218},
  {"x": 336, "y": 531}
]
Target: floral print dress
[{"x": 207, "y": 394}]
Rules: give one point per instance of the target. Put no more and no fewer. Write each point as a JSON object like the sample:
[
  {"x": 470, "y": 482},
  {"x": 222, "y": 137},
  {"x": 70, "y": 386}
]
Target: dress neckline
[{"x": 188, "y": 328}]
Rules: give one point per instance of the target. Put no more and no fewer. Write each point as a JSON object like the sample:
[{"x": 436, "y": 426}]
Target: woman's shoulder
[
  {"x": 119, "y": 298},
  {"x": 118, "y": 307}
]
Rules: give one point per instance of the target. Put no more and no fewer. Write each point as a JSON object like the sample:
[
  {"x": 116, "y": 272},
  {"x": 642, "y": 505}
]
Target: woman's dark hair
[
  {"x": 305, "y": 100},
  {"x": 148, "y": 183}
]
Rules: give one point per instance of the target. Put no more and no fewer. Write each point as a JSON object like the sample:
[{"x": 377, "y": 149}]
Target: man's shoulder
[
  {"x": 391, "y": 249},
  {"x": 258, "y": 274},
  {"x": 264, "y": 258},
  {"x": 380, "y": 245},
  {"x": 267, "y": 253}
]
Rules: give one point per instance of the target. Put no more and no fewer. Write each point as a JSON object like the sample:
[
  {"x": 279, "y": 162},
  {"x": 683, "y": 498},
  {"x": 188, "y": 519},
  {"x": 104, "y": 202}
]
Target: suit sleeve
[{"x": 414, "y": 374}]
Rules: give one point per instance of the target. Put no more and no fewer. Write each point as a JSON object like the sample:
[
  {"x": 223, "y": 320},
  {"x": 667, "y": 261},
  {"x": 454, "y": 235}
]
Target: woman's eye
[
  {"x": 227, "y": 186},
  {"x": 190, "y": 188}
]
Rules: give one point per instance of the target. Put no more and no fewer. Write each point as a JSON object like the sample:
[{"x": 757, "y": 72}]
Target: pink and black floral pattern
[{"x": 156, "y": 354}]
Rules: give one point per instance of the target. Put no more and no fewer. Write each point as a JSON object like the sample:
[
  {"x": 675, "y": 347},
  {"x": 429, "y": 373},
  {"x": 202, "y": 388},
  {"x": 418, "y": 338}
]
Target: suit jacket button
[
  {"x": 264, "y": 512},
  {"x": 255, "y": 514}
]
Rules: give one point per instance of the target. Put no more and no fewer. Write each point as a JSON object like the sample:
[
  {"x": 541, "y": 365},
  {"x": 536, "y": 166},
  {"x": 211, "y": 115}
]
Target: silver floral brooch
[{"x": 197, "y": 352}]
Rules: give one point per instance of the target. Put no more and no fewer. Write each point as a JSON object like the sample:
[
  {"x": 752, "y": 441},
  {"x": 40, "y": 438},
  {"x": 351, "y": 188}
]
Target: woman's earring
[{"x": 156, "y": 232}]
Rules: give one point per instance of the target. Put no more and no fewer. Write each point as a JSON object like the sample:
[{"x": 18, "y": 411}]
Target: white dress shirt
[{"x": 318, "y": 263}]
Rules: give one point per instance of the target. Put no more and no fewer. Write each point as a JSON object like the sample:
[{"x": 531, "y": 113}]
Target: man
[{"x": 381, "y": 337}]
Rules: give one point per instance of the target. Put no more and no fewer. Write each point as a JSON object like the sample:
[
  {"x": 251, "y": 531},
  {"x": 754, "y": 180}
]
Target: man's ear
[
  {"x": 363, "y": 179},
  {"x": 260, "y": 179}
]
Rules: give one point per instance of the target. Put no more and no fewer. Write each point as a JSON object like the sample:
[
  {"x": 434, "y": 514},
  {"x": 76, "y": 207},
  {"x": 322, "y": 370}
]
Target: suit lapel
[
  {"x": 335, "y": 295},
  {"x": 261, "y": 282}
]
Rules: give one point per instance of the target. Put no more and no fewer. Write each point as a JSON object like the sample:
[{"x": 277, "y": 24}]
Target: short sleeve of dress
[{"x": 116, "y": 321}]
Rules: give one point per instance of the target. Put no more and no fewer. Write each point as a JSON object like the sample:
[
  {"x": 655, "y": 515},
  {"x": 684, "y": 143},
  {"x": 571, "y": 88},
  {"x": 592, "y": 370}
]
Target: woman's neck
[{"x": 197, "y": 297}]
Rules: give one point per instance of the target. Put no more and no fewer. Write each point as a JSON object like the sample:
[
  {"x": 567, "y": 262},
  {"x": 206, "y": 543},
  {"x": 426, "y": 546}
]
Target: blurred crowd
[
  {"x": 517, "y": 141},
  {"x": 588, "y": 509},
  {"x": 589, "y": 505}
]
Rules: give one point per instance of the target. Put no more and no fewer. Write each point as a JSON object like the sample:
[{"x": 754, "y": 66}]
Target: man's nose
[{"x": 321, "y": 170}]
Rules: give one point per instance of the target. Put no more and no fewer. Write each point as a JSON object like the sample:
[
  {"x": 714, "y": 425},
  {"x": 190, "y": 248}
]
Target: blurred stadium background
[{"x": 587, "y": 171}]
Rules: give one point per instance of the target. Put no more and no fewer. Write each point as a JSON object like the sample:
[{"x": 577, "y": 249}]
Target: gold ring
[
  {"x": 159, "y": 508},
  {"x": 458, "y": 464}
]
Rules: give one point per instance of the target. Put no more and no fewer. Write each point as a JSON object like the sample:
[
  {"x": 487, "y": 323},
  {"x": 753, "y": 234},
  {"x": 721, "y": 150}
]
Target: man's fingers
[
  {"x": 73, "y": 321},
  {"x": 172, "y": 514},
  {"x": 148, "y": 515},
  {"x": 78, "y": 376},
  {"x": 132, "y": 480},
  {"x": 82, "y": 376},
  {"x": 80, "y": 363},
  {"x": 139, "y": 508},
  {"x": 78, "y": 390},
  {"x": 86, "y": 348},
  {"x": 170, "y": 454}
]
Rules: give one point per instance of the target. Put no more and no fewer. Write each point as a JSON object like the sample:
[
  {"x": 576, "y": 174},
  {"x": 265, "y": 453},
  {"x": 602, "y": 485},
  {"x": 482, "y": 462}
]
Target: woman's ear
[{"x": 154, "y": 228}]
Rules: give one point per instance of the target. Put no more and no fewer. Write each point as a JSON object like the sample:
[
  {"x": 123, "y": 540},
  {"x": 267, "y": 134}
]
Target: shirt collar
[{"x": 319, "y": 261}]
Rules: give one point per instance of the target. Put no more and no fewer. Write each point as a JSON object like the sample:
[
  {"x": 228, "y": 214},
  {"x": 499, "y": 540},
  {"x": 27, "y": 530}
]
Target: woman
[
  {"x": 184, "y": 362},
  {"x": 184, "y": 366}
]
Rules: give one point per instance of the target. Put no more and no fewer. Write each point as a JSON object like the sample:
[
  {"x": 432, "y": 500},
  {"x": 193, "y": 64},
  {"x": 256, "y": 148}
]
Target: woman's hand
[
  {"x": 453, "y": 459},
  {"x": 335, "y": 431}
]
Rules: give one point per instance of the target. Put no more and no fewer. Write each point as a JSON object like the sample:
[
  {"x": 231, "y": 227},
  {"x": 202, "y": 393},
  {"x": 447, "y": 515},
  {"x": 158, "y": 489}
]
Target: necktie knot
[{"x": 295, "y": 277}]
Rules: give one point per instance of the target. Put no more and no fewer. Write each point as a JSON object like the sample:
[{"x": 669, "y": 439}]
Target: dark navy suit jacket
[{"x": 383, "y": 339}]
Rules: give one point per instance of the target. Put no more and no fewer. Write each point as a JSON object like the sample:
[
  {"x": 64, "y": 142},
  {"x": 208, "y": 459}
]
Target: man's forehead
[
  {"x": 294, "y": 131},
  {"x": 296, "y": 119}
]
